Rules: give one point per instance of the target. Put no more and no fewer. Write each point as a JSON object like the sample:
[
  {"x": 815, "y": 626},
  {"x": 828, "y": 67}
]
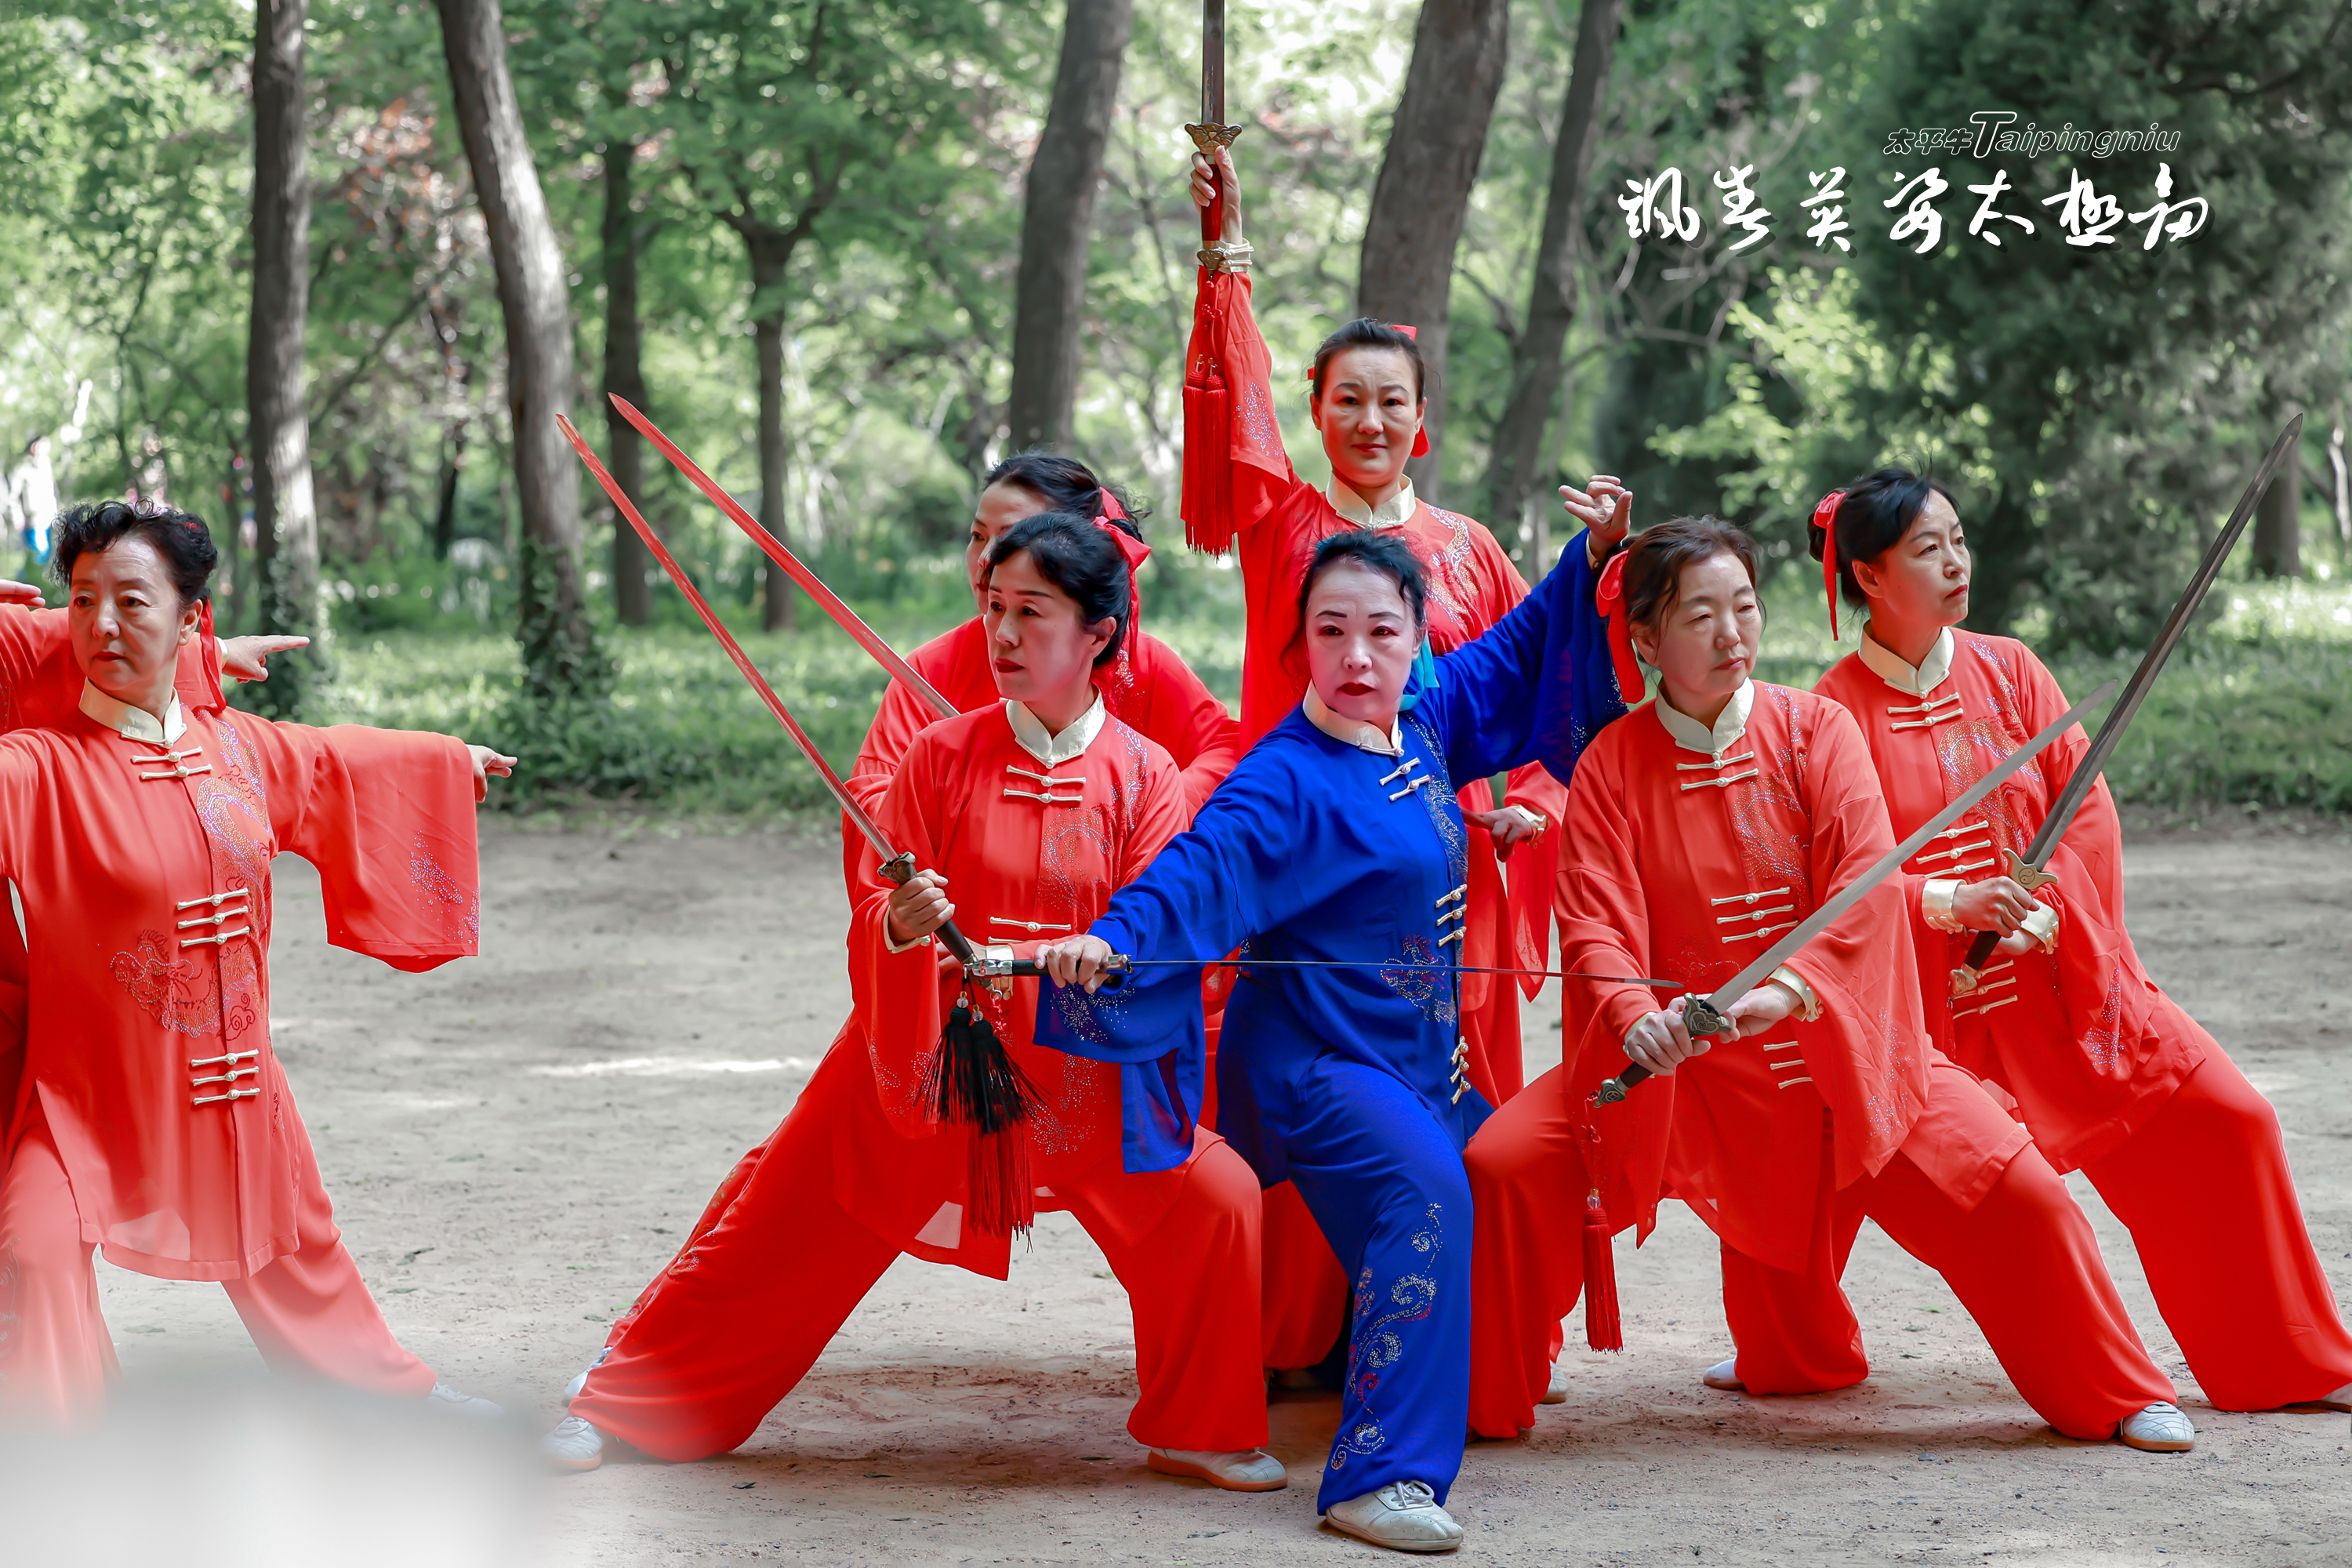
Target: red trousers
[
  {"x": 309, "y": 1312},
  {"x": 712, "y": 1348},
  {"x": 2205, "y": 1190},
  {"x": 2023, "y": 1262},
  {"x": 1305, "y": 1291}
]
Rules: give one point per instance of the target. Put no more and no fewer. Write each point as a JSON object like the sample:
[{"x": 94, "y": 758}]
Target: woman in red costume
[
  {"x": 1366, "y": 400},
  {"x": 1148, "y": 687},
  {"x": 2109, "y": 1074},
  {"x": 1697, "y": 831},
  {"x": 1041, "y": 805},
  {"x": 152, "y": 1119}
]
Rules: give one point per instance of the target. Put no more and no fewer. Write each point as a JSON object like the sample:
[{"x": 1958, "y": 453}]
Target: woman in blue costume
[{"x": 1337, "y": 841}]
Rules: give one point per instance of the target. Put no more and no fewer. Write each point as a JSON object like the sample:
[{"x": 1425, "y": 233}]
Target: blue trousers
[{"x": 1385, "y": 1182}]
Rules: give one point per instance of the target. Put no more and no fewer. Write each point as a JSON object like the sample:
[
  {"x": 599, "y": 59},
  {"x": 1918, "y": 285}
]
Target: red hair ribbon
[
  {"x": 1609, "y": 597},
  {"x": 1134, "y": 552},
  {"x": 1825, "y": 518}
]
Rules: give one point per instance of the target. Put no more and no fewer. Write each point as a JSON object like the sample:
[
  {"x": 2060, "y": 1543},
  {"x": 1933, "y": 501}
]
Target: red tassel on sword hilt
[
  {"x": 1604, "y": 1329},
  {"x": 975, "y": 1084}
]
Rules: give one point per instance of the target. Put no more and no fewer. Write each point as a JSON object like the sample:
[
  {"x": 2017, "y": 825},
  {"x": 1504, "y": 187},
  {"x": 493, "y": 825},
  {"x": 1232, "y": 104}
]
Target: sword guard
[
  {"x": 1963, "y": 981},
  {"x": 1209, "y": 138},
  {"x": 2029, "y": 877},
  {"x": 899, "y": 867},
  {"x": 1700, "y": 1018}
]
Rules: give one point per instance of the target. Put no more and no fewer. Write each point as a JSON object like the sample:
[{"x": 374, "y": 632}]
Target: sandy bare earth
[{"x": 514, "y": 1145}]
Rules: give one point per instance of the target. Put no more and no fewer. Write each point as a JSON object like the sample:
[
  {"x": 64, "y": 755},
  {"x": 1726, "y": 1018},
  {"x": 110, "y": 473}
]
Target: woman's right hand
[
  {"x": 1206, "y": 188},
  {"x": 1997, "y": 903},
  {"x": 919, "y": 906},
  {"x": 1661, "y": 1042},
  {"x": 1075, "y": 961}
]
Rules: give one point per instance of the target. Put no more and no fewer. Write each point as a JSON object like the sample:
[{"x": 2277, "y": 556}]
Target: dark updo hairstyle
[
  {"x": 1078, "y": 558},
  {"x": 1364, "y": 332},
  {"x": 179, "y": 537},
  {"x": 1877, "y": 511},
  {"x": 1065, "y": 484},
  {"x": 1655, "y": 558},
  {"x": 1386, "y": 554}
]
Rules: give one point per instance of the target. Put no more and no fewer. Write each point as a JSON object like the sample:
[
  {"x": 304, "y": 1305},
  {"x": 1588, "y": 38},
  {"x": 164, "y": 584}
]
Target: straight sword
[
  {"x": 897, "y": 864},
  {"x": 1705, "y": 1014},
  {"x": 1213, "y": 132},
  {"x": 845, "y": 617},
  {"x": 1120, "y": 963},
  {"x": 2027, "y": 871}
]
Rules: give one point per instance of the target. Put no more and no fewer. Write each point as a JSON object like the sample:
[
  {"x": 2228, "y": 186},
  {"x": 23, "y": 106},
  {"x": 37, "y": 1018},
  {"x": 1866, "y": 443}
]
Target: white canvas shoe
[
  {"x": 1240, "y": 1470},
  {"x": 572, "y": 1390},
  {"x": 473, "y": 1406},
  {"x": 572, "y": 1444},
  {"x": 2158, "y": 1429},
  {"x": 1723, "y": 1375},
  {"x": 1402, "y": 1516},
  {"x": 1557, "y": 1393}
]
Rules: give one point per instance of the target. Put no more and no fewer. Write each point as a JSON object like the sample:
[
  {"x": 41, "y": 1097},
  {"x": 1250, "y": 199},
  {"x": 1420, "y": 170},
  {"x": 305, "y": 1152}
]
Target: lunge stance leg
[
  {"x": 57, "y": 1359},
  {"x": 1528, "y": 1182}
]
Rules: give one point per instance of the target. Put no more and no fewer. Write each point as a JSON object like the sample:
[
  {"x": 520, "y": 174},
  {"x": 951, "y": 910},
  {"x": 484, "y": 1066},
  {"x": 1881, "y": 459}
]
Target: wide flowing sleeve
[
  {"x": 1862, "y": 968},
  {"x": 387, "y": 816},
  {"x": 1537, "y": 686},
  {"x": 897, "y": 991},
  {"x": 1242, "y": 868},
  {"x": 41, "y": 681},
  {"x": 1604, "y": 928},
  {"x": 1236, "y": 468},
  {"x": 901, "y": 716},
  {"x": 1197, "y": 729}
]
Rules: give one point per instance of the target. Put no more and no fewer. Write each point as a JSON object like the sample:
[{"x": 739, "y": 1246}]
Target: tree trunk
[
  {"x": 558, "y": 646},
  {"x": 2342, "y": 472},
  {"x": 624, "y": 377},
  {"x": 1058, "y": 222},
  {"x": 285, "y": 513},
  {"x": 2278, "y": 545},
  {"x": 771, "y": 255},
  {"x": 1552, "y": 303},
  {"x": 1423, "y": 192}
]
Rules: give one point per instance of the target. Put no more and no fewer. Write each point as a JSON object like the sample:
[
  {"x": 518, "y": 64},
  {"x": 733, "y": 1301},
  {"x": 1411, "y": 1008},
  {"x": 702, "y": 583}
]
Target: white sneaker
[
  {"x": 1239, "y": 1470},
  {"x": 572, "y": 1390},
  {"x": 471, "y": 1406},
  {"x": 572, "y": 1444},
  {"x": 1557, "y": 1393},
  {"x": 2158, "y": 1429},
  {"x": 1723, "y": 1375},
  {"x": 1402, "y": 1516}
]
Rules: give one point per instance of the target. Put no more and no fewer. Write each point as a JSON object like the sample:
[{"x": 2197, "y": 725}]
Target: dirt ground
[{"x": 516, "y": 1142}]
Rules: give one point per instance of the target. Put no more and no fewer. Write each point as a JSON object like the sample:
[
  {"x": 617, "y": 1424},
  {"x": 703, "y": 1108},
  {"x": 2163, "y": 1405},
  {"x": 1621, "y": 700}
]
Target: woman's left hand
[
  {"x": 245, "y": 659},
  {"x": 1762, "y": 1008},
  {"x": 1604, "y": 506},
  {"x": 1076, "y": 961},
  {"x": 485, "y": 763},
  {"x": 1508, "y": 825}
]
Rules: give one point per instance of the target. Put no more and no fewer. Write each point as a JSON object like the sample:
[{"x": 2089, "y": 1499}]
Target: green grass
[{"x": 2256, "y": 708}]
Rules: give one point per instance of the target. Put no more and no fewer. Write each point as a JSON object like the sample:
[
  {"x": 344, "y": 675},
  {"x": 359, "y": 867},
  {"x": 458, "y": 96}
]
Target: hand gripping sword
[
  {"x": 845, "y": 617},
  {"x": 1707, "y": 1014},
  {"x": 1213, "y": 132},
  {"x": 897, "y": 864},
  {"x": 2026, "y": 869}
]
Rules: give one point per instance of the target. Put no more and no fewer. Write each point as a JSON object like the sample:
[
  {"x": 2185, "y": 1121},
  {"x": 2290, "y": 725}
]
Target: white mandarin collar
[
  {"x": 1047, "y": 747},
  {"x": 133, "y": 723},
  {"x": 1352, "y": 731},
  {"x": 1694, "y": 736},
  {"x": 1394, "y": 512},
  {"x": 1889, "y": 667}
]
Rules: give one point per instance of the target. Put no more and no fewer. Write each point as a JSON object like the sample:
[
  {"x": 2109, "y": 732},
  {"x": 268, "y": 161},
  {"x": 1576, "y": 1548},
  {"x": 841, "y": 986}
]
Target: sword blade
[
  {"x": 1028, "y": 966},
  {"x": 1212, "y": 61},
  {"x": 847, "y": 619},
  {"x": 839, "y": 791},
  {"x": 2078, "y": 788},
  {"x": 1854, "y": 892}
]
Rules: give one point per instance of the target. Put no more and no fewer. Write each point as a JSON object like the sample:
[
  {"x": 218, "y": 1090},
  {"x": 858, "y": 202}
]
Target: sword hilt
[
  {"x": 1699, "y": 1016},
  {"x": 1030, "y": 968}
]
